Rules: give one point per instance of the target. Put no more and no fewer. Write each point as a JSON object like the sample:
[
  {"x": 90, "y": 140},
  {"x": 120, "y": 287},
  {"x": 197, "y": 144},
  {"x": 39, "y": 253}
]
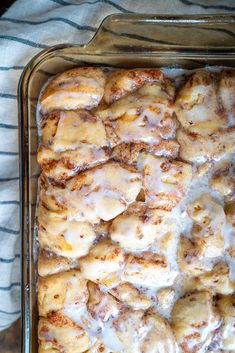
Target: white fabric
[{"x": 26, "y": 28}]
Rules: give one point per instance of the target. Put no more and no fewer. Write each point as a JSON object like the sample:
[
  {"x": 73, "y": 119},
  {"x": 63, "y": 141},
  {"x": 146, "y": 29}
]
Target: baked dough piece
[
  {"x": 139, "y": 119},
  {"x": 50, "y": 263},
  {"x": 57, "y": 333},
  {"x": 226, "y": 307},
  {"x": 100, "y": 193},
  {"x": 78, "y": 88},
  {"x": 212, "y": 135},
  {"x": 71, "y": 142},
  {"x": 143, "y": 120},
  {"x": 148, "y": 269},
  {"x": 195, "y": 255},
  {"x": 139, "y": 227},
  {"x": 230, "y": 213},
  {"x": 209, "y": 218},
  {"x": 223, "y": 179},
  {"x": 131, "y": 296},
  {"x": 227, "y": 94},
  {"x": 165, "y": 298},
  {"x": 67, "y": 130},
  {"x": 199, "y": 149},
  {"x": 136, "y": 119},
  {"x": 195, "y": 321},
  {"x": 103, "y": 260},
  {"x": 64, "y": 165},
  {"x": 197, "y": 105},
  {"x": 165, "y": 181},
  {"x": 101, "y": 305},
  {"x": 67, "y": 238},
  {"x": 144, "y": 332},
  {"x": 123, "y": 82},
  {"x": 230, "y": 217},
  {"x": 217, "y": 280},
  {"x": 190, "y": 258},
  {"x": 128, "y": 153},
  {"x": 66, "y": 290}
]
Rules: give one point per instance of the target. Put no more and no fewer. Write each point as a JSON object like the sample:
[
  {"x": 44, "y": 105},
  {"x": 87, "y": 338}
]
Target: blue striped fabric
[{"x": 25, "y": 29}]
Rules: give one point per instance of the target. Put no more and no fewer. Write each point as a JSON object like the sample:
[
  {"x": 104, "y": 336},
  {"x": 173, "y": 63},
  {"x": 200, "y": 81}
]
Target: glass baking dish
[{"x": 121, "y": 41}]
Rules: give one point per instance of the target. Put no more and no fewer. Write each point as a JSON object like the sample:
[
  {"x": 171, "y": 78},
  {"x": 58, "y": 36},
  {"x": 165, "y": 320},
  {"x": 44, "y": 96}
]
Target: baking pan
[{"x": 121, "y": 41}]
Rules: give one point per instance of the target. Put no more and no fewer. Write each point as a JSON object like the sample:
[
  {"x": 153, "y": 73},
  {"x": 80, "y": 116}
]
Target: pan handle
[{"x": 120, "y": 33}]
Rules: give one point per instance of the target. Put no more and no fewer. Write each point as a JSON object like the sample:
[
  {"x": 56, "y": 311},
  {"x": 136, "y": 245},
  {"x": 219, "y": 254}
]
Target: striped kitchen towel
[{"x": 25, "y": 29}]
